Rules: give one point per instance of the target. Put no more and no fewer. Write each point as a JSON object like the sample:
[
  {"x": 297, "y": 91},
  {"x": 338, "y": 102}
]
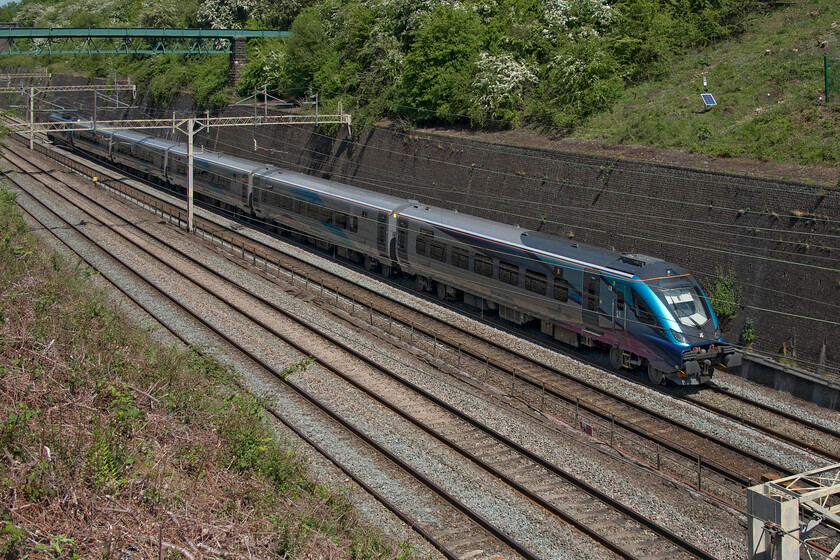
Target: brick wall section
[
  {"x": 781, "y": 238},
  {"x": 237, "y": 59}
]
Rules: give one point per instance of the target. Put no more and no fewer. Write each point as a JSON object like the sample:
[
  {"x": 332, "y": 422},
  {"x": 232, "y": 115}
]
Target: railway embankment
[{"x": 778, "y": 237}]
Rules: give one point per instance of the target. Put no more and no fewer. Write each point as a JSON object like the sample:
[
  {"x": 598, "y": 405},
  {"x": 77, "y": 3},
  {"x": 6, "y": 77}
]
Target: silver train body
[{"x": 646, "y": 312}]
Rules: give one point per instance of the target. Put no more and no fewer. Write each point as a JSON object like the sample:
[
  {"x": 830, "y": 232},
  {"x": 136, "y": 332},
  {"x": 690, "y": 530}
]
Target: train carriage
[
  {"x": 645, "y": 311},
  {"x": 354, "y": 221}
]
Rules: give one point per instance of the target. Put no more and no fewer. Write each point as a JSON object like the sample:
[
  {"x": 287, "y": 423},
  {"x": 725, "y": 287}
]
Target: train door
[
  {"x": 382, "y": 234},
  {"x": 607, "y": 307},
  {"x": 620, "y": 310},
  {"x": 402, "y": 239},
  {"x": 245, "y": 188},
  {"x": 254, "y": 194},
  {"x": 591, "y": 301}
]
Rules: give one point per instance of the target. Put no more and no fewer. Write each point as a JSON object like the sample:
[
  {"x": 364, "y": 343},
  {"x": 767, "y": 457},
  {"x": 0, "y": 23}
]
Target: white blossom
[
  {"x": 500, "y": 82},
  {"x": 33, "y": 14},
  {"x": 565, "y": 17},
  {"x": 226, "y": 14}
]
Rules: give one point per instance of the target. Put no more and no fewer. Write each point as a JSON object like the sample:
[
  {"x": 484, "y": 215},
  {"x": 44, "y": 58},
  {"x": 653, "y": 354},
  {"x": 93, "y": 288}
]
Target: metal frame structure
[
  {"x": 24, "y": 76},
  {"x": 31, "y": 92},
  {"x": 784, "y": 513},
  {"x": 188, "y": 126},
  {"x": 29, "y": 41}
]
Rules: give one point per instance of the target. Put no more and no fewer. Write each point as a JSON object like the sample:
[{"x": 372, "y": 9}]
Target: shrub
[
  {"x": 725, "y": 295},
  {"x": 439, "y": 68}
]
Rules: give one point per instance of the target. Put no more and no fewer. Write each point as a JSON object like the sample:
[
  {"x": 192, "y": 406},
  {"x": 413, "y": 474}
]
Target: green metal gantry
[{"x": 15, "y": 41}]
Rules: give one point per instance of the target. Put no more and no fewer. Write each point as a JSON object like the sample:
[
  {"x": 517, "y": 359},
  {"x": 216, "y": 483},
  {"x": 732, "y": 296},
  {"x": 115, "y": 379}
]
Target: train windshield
[{"x": 685, "y": 302}]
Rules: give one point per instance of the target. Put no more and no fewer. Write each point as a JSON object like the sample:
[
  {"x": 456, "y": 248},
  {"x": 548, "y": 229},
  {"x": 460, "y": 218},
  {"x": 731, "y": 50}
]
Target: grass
[
  {"x": 111, "y": 444},
  {"x": 767, "y": 83}
]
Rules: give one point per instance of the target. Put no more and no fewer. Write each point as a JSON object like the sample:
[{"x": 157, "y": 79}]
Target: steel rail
[
  {"x": 615, "y": 504},
  {"x": 442, "y": 493},
  {"x": 673, "y": 447}
]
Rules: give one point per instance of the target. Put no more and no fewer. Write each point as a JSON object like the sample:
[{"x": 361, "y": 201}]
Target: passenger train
[{"x": 647, "y": 313}]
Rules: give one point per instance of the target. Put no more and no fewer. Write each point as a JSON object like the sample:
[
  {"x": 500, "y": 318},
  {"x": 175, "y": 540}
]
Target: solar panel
[{"x": 708, "y": 99}]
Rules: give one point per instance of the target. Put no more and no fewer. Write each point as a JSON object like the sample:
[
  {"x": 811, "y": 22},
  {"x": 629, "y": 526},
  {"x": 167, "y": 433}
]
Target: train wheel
[
  {"x": 421, "y": 283},
  {"x": 370, "y": 263},
  {"x": 656, "y": 377},
  {"x": 440, "y": 289},
  {"x": 386, "y": 270},
  {"x": 616, "y": 359}
]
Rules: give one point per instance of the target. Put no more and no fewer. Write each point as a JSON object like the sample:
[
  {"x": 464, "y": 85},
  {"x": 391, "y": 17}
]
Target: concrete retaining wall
[{"x": 781, "y": 238}]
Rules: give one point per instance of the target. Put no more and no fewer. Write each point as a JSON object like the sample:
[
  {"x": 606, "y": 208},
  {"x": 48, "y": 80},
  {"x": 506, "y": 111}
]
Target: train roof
[
  {"x": 326, "y": 187},
  {"x": 225, "y": 160},
  {"x": 569, "y": 251}
]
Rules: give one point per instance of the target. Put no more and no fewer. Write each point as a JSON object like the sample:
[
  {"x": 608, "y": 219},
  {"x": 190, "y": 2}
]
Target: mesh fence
[{"x": 832, "y": 79}]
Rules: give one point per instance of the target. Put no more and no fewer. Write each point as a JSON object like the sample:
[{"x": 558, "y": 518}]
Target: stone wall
[{"x": 781, "y": 238}]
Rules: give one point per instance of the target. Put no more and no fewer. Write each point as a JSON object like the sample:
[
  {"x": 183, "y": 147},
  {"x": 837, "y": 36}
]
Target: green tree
[
  {"x": 583, "y": 80},
  {"x": 725, "y": 295},
  {"x": 440, "y": 66},
  {"x": 310, "y": 59}
]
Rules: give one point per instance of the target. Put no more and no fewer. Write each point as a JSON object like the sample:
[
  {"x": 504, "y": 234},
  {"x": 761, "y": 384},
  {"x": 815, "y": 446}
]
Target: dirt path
[{"x": 822, "y": 175}]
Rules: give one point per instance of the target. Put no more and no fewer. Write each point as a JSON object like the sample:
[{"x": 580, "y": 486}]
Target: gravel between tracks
[{"x": 715, "y": 529}]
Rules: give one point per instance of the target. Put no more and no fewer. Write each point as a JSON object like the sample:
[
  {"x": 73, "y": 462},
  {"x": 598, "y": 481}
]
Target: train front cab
[{"x": 691, "y": 343}]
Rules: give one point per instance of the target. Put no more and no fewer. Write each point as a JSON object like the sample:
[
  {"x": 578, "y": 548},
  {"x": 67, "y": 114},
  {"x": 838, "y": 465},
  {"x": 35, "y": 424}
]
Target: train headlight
[{"x": 679, "y": 337}]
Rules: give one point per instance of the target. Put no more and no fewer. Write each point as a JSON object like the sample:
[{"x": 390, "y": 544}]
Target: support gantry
[
  {"x": 187, "y": 126},
  {"x": 796, "y": 516}
]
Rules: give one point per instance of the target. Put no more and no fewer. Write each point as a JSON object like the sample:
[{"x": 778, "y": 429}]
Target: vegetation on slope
[
  {"x": 111, "y": 445},
  {"x": 619, "y": 70}
]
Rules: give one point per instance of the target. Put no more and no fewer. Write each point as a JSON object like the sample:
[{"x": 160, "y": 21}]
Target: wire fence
[{"x": 832, "y": 78}]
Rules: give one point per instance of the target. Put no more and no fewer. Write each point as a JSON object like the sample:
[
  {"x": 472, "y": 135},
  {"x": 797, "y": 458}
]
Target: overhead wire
[
  {"x": 615, "y": 213},
  {"x": 442, "y": 199}
]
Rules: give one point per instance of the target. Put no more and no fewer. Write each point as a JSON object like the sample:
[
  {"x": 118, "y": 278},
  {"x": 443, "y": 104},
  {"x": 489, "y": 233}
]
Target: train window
[
  {"x": 619, "y": 299},
  {"x": 438, "y": 250},
  {"x": 508, "y": 273},
  {"x": 354, "y": 224},
  {"x": 380, "y": 235},
  {"x": 593, "y": 285},
  {"x": 326, "y": 215},
  {"x": 483, "y": 265},
  {"x": 420, "y": 244},
  {"x": 142, "y": 154},
  {"x": 460, "y": 258},
  {"x": 423, "y": 239},
  {"x": 299, "y": 207},
  {"x": 285, "y": 201},
  {"x": 264, "y": 196},
  {"x": 643, "y": 312},
  {"x": 312, "y": 211},
  {"x": 341, "y": 220},
  {"x": 561, "y": 289},
  {"x": 535, "y": 282},
  {"x": 402, "y": 239}
]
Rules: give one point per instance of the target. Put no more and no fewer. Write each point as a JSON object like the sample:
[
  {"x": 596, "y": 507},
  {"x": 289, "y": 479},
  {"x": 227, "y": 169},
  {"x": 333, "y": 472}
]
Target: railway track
[
  {"x": 619, "y": 529},
  {"x": 463, "y": 525},
  {"x": 540, "y": 388},
  {"x": 714, "y": 465}
]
